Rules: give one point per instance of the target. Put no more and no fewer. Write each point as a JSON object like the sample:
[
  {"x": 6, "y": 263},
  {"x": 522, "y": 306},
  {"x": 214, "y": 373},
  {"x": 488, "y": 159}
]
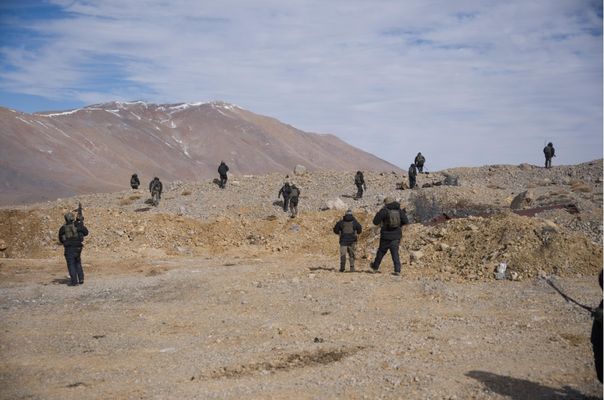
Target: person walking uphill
[
  {"x": 419, "y": 162},
  {"x": 286, "y": 191},
  {"x": 294, "y": 195},
  {"x": 359, "y": 181},
  {"x": 71, "y": 236},
  {"x": 391, "y": 218},
  {"x": 222, "y": 171},
  {"x": 348, "y": 228},
  {"x": 549, "y": 153}
]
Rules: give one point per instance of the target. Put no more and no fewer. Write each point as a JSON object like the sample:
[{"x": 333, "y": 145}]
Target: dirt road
[{"x": 277, "y": 327}]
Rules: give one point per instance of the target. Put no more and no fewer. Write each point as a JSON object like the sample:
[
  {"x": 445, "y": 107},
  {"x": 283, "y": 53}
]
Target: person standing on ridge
[
  {"x": 359, "y": 181},
  {"x": 419, "y": 162},
  {"x": 412, "y": 176},
  {"x": 391, "y": 218},
  {"x": 348, "y": 228},
  {"x": 71, "y": 236},
  {"x": 134, "y": 181},
  {"x": 222, "y": 171},
  {"x": 549, "y": 153}
]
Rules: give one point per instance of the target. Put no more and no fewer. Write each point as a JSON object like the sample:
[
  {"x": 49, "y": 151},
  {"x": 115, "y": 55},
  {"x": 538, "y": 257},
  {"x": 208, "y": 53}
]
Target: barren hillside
[{"x": 96, "y": 148}]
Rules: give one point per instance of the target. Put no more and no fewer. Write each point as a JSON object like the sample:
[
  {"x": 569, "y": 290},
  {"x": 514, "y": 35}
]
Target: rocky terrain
[
  {"x": 219, "y": 294},
  {"x": 96, "y": 148}
]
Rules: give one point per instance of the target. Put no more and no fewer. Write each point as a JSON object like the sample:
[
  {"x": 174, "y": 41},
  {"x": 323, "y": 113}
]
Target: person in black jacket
[
  {"x": 549, "y": 153},
  {"x": 222, "y": 171},
  {"x": 156, "y": 188},
  {"x": 419, "y": 162},
  {"x": 412, "y": 176},
  {"x": 348, "y": 228},
  {"x": 391, "y": 218},
  {"x": 285, "y": 191},
  {"x": 596, "y": 336},
  {"x": 294, "y": 195},
  {"x": 71, "y": 236},
  {"x": 134, "y": 181},
  {"x": 359, "y": 181}
]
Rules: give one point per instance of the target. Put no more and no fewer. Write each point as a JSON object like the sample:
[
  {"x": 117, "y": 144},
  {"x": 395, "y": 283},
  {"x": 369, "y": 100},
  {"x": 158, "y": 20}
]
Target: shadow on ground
[
  {"x": 521, "y": 389},
  {"x": 60, "y": 281}
]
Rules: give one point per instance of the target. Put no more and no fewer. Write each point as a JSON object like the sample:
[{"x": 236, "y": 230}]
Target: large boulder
[
  {"x": 522, "y": 200},
  {"x": 300, "y": 170},
  {"x": 335, "y": 204}
]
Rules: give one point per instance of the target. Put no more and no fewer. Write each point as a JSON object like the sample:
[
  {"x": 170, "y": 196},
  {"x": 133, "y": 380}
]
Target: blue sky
[{"x": 467, "y": 82}]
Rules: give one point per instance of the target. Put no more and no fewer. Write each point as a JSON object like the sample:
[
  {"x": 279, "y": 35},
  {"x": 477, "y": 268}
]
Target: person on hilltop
[
  {"x": 359, "y": 181},
  {"x": 285, "y": 191},
  {"x": 348, "y": 228},
  {"x": 549, "y": 153},
  {"x": 412, "y": 176},
  {"x": 419, "y": 162},
  {"x": 294, "y": 195},
  {"x": 391, "y": 218},
  {"x": 134, "y": 181},
  {"x": 222, "y": 171},
  {"x": 71, "y": 236}
]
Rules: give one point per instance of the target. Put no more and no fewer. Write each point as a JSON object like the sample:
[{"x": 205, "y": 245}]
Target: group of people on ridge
[{"x": 291, "y": 195}]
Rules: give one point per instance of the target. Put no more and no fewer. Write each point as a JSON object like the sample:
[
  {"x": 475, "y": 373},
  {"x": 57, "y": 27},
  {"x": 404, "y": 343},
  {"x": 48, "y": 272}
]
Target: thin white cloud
[{"x": 458, "y": 81}]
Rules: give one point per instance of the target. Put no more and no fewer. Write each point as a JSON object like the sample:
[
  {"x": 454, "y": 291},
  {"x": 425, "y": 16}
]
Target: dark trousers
[
  {"x": 548, "y": 162},
  {"x": 386, "y": 245},
  {"x": 411, "y": 182},
  {"x": 285, "y": 203},
  {"x": 134, "y": 185},
  {"x": 74, "y": 266},
  {"x": 293, "y": 205},
  {"x": 420, "y": 168},
  {"x": 359, "y": 191},
  {"x": 223, "y": 181}
]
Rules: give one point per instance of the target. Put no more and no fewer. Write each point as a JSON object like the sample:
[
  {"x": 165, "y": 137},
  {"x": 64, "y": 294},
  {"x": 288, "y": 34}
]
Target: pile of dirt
[{"x": 465, "y": 248}]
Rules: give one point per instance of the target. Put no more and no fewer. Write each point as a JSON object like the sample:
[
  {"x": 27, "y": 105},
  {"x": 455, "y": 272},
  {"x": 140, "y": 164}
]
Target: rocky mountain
[{"x": 96, "y": 148}]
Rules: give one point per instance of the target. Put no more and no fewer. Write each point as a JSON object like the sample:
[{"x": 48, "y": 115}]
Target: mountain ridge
[{"x": 45, "y": 155}]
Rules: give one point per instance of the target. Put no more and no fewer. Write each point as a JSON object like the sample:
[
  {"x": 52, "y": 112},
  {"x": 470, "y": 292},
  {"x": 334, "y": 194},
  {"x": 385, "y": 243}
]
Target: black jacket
[
  {"x": 549, "y": 151},
  {"x": 419, "y": 160},
  {"x": 74, "y": 243},
  {"x": 134, "y": 181},
  {"x": 359, "y": 180},
  {"x": 157, "y": 187},
  {"x": 346, "y": 239},
  {"x": 285, "y": 191},
  {"x": 381, "y": 219},
  {"x": 412, "y": 171},
  {"x": 223, "y": 169}
]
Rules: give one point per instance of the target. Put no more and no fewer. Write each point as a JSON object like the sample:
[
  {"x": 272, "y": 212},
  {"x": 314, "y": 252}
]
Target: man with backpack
[
  {"x": 222, "y": 171},
  {"x": 549, "y": 153},
  {"x": 348, "y": 228},
  {"x": 391, "y": 218},
  {"x": 134, "y": 181},
  {"x": 71, "y": 236},
  {"x": 294, "y": 194},
  {"x": 359, "y": 181},
  {"x": 419, "y": 162},
  {"x": 412, "y": 176},
  {"x": 285, "y": 191},
  {"x": 156, "y": 187}
]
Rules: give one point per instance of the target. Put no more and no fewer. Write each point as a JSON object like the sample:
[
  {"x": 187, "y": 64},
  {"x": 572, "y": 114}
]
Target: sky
[{"x": 466, "y": 82}]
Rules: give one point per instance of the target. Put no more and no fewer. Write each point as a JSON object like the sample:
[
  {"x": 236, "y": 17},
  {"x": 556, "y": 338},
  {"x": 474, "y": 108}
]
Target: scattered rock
[{"x": 299, "y": 170}]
